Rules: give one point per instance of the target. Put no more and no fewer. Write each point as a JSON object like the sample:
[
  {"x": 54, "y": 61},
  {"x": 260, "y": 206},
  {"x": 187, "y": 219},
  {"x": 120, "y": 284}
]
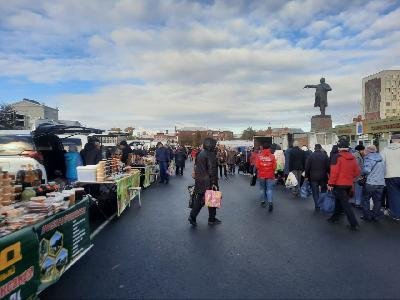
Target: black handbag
[
  {"x": 253, "y": 179},
  {"x": 363, "y": 180}
]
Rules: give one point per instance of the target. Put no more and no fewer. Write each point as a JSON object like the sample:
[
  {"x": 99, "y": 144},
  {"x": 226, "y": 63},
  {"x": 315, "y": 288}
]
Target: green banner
[
  {"x": 62, "y": 238},
  {"x": 19, "y": 274},
  {"x": 124, "y": 196}
]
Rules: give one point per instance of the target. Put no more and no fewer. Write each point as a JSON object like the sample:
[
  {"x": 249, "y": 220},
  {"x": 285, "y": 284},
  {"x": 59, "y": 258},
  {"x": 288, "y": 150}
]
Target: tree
[
  {"x": 248, "y": 134},
  {"x": 7, "y": 116},
  {"x": 129, "y": 130},
  {"x": 196, "y": 142}
]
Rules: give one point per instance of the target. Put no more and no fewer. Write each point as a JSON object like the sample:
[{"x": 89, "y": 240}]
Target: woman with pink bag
[{"x": 206, "y": 178}]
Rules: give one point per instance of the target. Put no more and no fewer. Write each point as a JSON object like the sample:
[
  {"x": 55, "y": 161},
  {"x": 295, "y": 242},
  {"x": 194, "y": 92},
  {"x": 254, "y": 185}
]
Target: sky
[{"x": 223, "y": 64}]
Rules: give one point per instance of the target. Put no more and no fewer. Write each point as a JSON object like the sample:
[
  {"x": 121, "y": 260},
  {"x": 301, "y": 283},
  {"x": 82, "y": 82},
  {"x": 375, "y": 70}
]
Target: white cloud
[{"x": 223, "y": 63}]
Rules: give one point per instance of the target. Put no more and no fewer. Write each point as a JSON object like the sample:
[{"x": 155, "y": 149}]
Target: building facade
[
  {"x": 35, "y": 111},
  {"x": 187, "y": 135},
  {"x": 381, "y": 95}
]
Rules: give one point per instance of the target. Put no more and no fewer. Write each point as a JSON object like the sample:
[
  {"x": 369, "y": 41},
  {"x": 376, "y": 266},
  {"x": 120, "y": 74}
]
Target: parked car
[
  {"x": 19, "y": 150},
  {"x": 42, "y": 149}
]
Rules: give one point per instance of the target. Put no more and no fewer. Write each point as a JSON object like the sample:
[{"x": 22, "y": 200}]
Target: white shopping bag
[{"x": 291, "y": 180}]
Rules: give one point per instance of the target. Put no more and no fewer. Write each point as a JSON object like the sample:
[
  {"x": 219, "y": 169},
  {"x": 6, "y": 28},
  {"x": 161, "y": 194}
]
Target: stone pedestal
[{"x": 321, "y": 123}]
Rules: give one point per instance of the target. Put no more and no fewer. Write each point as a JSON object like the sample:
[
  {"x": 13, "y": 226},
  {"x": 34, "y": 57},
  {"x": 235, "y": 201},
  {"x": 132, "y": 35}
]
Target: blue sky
[{"x": 221, "y": 64}]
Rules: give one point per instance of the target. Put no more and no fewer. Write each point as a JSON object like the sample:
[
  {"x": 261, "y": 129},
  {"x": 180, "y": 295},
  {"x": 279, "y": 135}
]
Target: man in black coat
[
  {"x": 206, "y": 178},
  {"x": 91, "y": 154},
  {"x": 180, "y": 157},
  {"x": 317, "y": 170},
  {"x": 297, "y": 162}
]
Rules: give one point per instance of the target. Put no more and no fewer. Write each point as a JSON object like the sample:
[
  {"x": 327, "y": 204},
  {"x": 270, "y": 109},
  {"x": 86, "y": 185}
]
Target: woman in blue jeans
[{"x": 374, "y": 169}]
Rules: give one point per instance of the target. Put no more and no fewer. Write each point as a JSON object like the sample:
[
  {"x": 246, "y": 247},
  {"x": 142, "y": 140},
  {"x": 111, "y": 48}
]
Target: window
[{"x": 387, "y": 103}]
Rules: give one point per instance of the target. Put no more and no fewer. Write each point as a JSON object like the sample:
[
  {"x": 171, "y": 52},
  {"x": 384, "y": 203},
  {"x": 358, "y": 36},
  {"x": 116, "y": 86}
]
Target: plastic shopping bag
[
  {"x": 213, "y": 198},
  {"x": 305, "y": 190},
  {"x": 326, "y": 202},
  {"x": 291, "y": 180},
  {"x": 171, "y": 169},
  {"x": 192, "y": 195}
]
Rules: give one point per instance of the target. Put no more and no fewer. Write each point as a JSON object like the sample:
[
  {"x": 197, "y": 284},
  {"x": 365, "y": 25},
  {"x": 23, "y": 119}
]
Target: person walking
[
  {"x": 253, "y": 158},
  {"x": 280, "y": 166},
  {"x": 193, "y": 154},
  {"x": 316, "y": 171},
  {"x": 344, "y": 170},
  {"x": 72, "y": 160},
  {"x": 358, "y": 189},
  {"x": 222, "y": 157},
  {"x": 180, "y": 158},
  {"x": 297, "y": 165},
  {"x": 266, "y": 166},
  {"x": 231, "y": 161},
  {"x": 163, "y": 159},
  {"x": 287, "y": 160},
  {"x": 374, "y": 169},
  {"x": 205, "y": 178},
  {"x": 334, "y": 153},
  {"x": 391, "y": 157}
]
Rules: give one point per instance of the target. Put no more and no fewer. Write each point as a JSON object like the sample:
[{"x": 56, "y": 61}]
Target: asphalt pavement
[{"x": 152, "y": 252}]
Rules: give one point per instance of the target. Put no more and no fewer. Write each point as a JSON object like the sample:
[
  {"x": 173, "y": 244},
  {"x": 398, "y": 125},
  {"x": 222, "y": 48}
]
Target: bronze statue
[{"x": 321, "y": 94}]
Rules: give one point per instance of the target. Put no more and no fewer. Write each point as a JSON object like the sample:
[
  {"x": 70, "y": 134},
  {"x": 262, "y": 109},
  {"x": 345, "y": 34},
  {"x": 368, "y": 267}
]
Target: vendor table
[
  {"x": 150, "y": 174},
  {"x": 35, "y": 257},
  {"x": 125, "y": 189}
]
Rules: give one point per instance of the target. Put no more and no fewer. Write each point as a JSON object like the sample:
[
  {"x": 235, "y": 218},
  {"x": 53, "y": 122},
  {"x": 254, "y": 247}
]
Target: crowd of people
[{"x": 361, "y": 177}]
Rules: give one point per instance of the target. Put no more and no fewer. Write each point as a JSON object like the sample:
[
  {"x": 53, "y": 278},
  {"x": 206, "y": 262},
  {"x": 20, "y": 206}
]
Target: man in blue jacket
[
  {"x": 163, "y": 158},
  {"x": 374, "y": 168}
]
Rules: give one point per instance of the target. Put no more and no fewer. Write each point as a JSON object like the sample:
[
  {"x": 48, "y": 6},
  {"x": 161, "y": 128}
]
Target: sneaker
[
  {"x": 353, "y": 228},
  {"x": 214, "y": 222},
  {"x": 192, "y": 222},
  {"x": 270, "y": 207},
  {"x": 263, "y": 204}
]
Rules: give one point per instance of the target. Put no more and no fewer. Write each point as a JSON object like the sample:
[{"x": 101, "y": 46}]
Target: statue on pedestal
[{"x": 321, "y": 95}]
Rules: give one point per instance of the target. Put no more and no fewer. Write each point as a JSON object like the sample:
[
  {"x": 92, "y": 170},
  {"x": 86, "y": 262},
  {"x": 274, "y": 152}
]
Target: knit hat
[
  {"x": 371, "y": 149},
  {"x": 343, "y": 144},
  {"x": 359, "y": 147},
  {"x": 317, "y": 147}
]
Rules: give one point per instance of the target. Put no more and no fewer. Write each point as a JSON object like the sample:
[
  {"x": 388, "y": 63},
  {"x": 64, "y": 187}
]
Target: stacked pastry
[
  {"x": 101, "y": 171},
  {"x": 6, "y": 189}
]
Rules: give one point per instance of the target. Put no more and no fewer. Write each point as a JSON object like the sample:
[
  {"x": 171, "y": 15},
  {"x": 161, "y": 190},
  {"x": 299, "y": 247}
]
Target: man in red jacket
[
  {"x": 266, "y": 165},
  {"x": 344, "y": 170}
]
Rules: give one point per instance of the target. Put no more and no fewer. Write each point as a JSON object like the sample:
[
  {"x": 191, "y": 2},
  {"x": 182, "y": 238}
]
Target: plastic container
[
  {"x": 87, "y": 173},
  {"x": 27, "y": 194}
]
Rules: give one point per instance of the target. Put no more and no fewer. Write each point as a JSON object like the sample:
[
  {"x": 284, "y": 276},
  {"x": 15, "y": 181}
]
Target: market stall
[
  {"x": 40, "y": 238},
  {"x": 122, "y": 184},
  {"x": 148, "y": 169}
]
